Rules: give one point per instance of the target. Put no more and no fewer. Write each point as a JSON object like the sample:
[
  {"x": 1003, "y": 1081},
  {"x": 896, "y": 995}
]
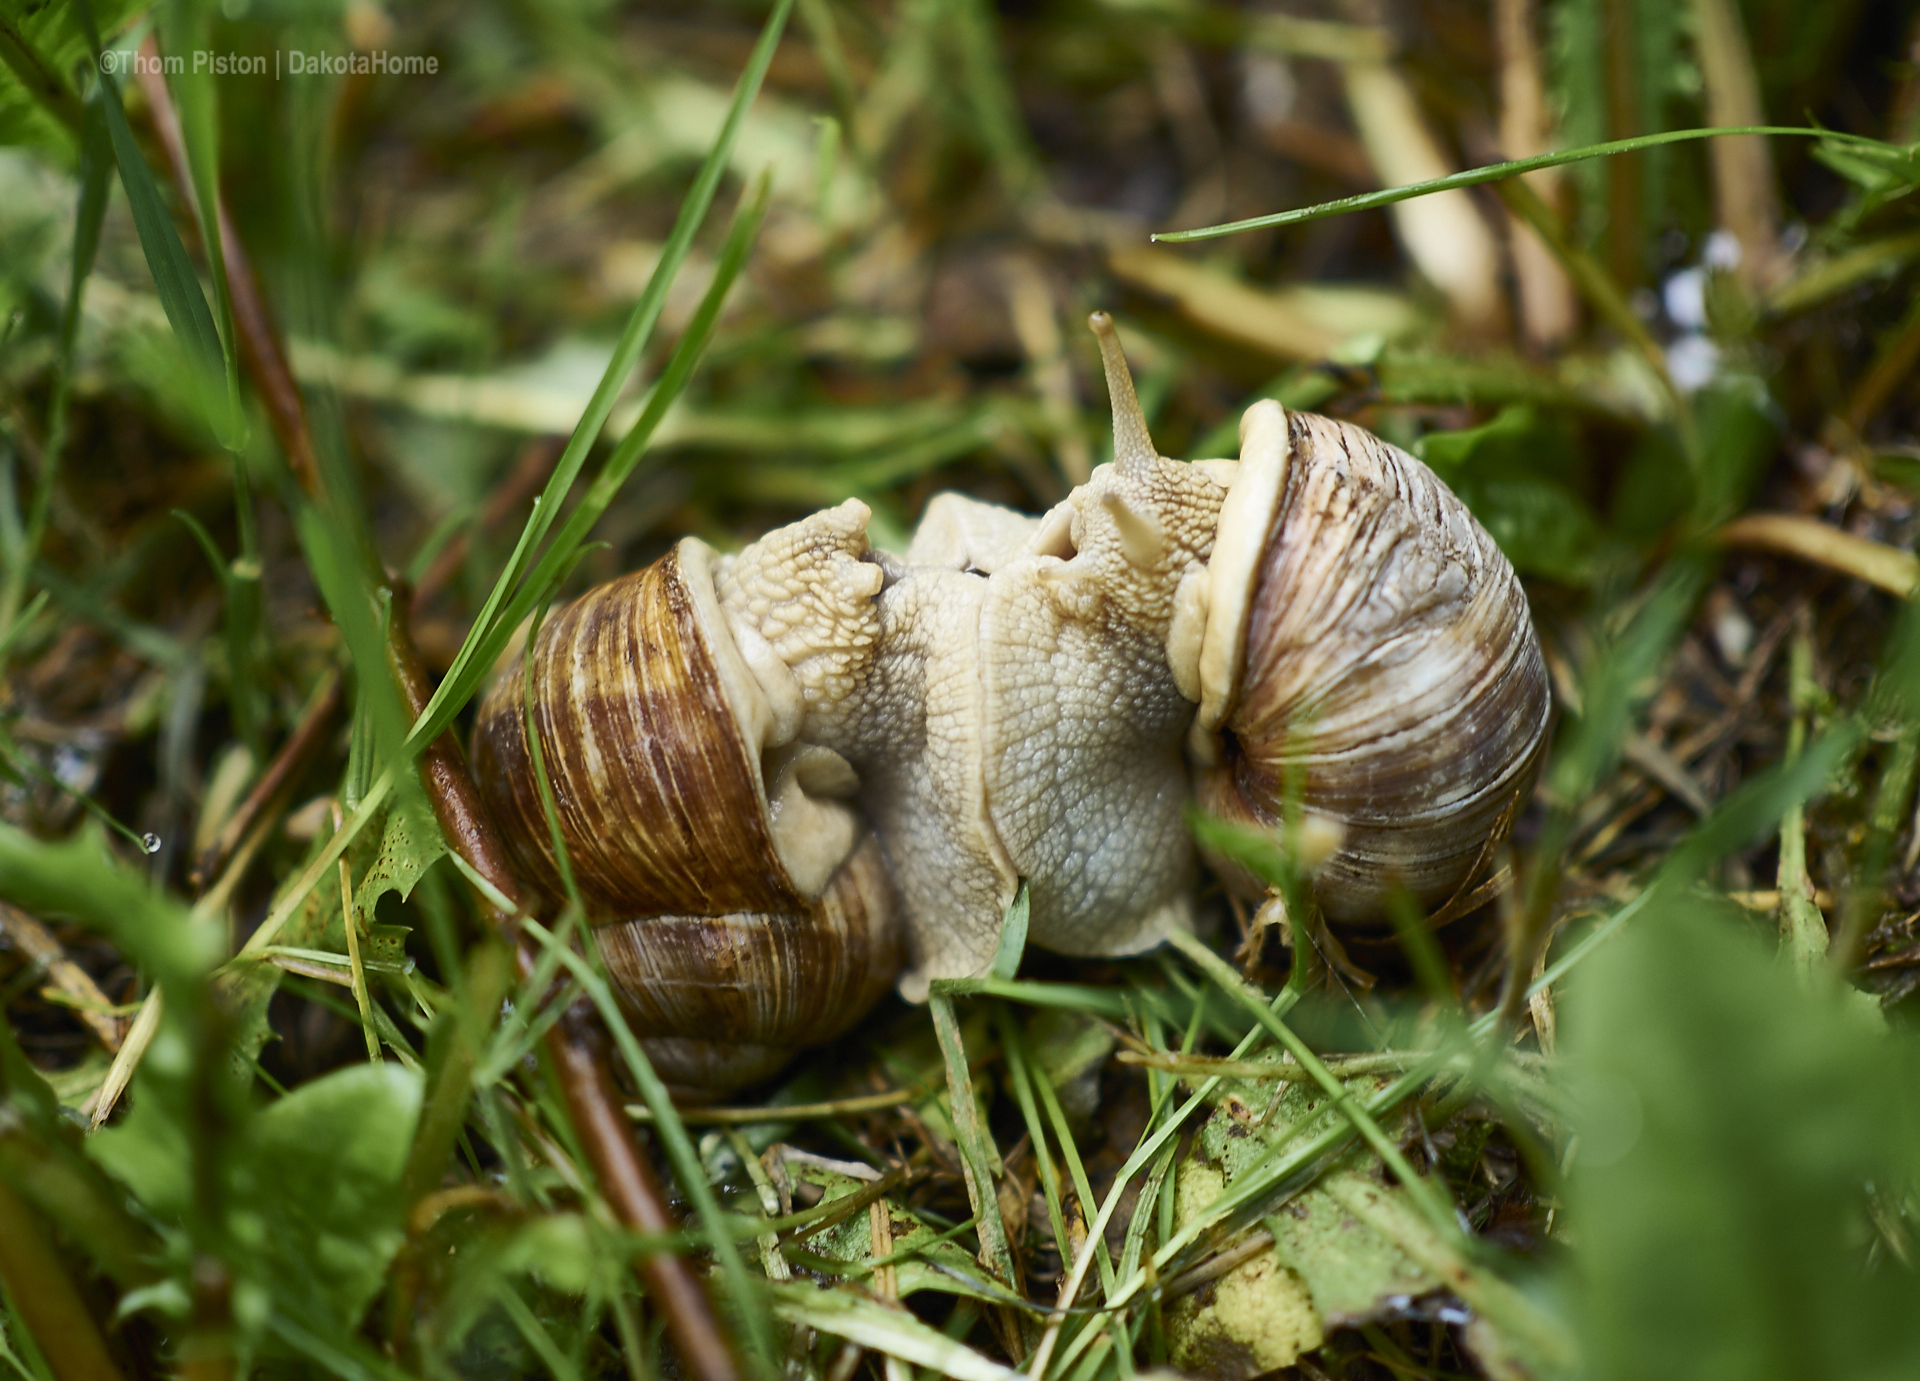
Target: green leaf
[
  {"x": 1518, "y": 475},
  {"x": 148, "y": 1151},
  {"x": 406, "y": 852},
  {"x": 326, "y": 1162},
  {"x": 1735, "y": 1129},
  {"x": 1013, "y": 937},
  {"x": 1348, "y": 1250},
  {"x": 1267, "y": 1311},
  {"x": 78, "y": 877},
  {"x": 313, "y": 1189},
  {"x": 1325, "y": 1270}
]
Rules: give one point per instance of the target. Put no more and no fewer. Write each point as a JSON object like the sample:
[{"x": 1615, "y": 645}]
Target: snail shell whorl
[
  {"x": 723, "y": 904},
  {"x": 1390, "y": 661},
  {"x": 650, "y": 763},
  {"x": 770, "y": 982}
]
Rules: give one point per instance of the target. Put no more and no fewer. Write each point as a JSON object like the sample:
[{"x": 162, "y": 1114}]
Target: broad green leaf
[
  {"x": 1737, "y": 1131},
  {"x": 1349, "y": 1249},
  {"x": 147, "y": 1150},
  {"x": 325, "y": 1163},
  {"x": 312, "y": 1188},
  {"x": 1325, "y": 1269},
  {"x": 1520, "y": 474},
  {"x": 404, "y": 854}
]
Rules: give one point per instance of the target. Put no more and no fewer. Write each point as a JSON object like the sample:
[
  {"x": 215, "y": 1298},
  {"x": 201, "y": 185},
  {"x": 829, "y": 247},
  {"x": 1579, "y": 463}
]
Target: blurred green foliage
[
  {"x": 1745, "y": 1141},
  {"x": 1714, "y": 1173}
]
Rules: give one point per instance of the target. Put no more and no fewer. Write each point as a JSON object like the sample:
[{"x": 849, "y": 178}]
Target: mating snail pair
[{"x": 761, "y": 761}]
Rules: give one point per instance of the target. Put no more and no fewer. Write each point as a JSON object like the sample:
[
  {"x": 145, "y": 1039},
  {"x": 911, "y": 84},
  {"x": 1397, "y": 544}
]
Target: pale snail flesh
[{"x": 1025, "y": 698}]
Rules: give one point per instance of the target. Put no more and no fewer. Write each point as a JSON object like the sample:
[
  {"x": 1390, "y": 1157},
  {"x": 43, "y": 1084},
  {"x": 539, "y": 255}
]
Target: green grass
[{"x": 1633, "y": 1117}]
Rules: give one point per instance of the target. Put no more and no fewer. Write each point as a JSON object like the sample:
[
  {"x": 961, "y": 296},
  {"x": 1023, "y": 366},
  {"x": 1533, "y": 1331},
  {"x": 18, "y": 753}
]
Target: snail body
[{"x": 756, "y": 753}]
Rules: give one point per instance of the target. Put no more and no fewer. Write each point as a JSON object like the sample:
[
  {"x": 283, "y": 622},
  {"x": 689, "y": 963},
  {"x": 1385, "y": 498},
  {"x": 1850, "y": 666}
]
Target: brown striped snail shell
[
  {"x": 1371, "y": 650},
  {"x": 741, "y": 907}
]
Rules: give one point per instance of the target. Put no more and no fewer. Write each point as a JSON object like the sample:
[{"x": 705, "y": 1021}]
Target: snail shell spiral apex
[{"x": 1376, "y": 656}]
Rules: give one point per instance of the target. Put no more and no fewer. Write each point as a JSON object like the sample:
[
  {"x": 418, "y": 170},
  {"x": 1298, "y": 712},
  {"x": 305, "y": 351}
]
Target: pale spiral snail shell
[{"x": 1387, "y": 662}]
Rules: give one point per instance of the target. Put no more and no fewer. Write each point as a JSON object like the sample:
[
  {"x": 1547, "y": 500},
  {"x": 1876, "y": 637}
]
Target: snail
[
  {"x": 741, "y": 909},
  {"x": 814, "y": 743}
]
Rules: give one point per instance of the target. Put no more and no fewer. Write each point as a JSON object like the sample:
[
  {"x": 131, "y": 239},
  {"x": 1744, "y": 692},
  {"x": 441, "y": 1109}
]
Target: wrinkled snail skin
[
  {"x": 760, "y": 760},
  {"x": 1017, "y": 716}
]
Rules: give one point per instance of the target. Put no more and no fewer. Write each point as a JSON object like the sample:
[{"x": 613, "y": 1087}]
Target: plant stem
[
  {"x": 1803, "y": 930},
  {"x": 46, "y": 1299},
  {"x": 586, "y": 1078}
]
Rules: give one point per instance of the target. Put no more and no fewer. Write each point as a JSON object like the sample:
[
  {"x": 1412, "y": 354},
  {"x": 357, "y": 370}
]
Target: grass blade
[
  {"x": 1495, "y": 172},
  {"x": 174, "y": 279},
  {"x": 971, "y": 1135},
  {"x": 627, "y": 352},
  {"x": 478, "y": 653}
]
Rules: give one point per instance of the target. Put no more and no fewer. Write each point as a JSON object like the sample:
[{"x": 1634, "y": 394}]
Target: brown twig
[
  {"x": 579, "y": 1058},
  {"x": 282, "y": 774},
  {"x": 44, "y": 951},
  {"x": 529, "y": 474}
]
